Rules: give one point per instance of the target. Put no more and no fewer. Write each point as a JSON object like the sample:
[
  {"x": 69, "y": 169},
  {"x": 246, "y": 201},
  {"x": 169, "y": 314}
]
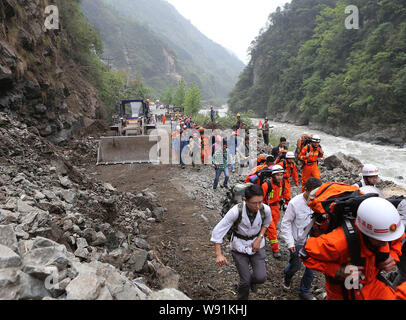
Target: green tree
[
  {"x": 167, "y": 96},
  {"x": 180, "y": 94},
  {"x": 193, "y": 99}
]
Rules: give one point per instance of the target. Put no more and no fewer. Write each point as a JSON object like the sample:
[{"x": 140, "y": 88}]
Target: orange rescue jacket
[
  {"x": 275, "y": 196},
  {"x": 314, "y": 154},
  {"x": 328, "y": 252},
  {"x": 290, "y": 171}
]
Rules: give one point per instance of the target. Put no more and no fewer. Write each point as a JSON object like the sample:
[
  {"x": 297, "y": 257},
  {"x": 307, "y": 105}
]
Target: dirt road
[{"x": 182, "y": 238}]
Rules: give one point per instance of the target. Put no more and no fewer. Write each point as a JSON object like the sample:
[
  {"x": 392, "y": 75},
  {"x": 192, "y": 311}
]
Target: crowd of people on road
[
  {"x": 351, "y": 256},
  {"x": 350, "y": 273}
]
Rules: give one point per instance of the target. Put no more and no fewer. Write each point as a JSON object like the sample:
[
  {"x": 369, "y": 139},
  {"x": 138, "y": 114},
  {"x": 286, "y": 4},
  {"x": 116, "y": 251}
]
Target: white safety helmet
[
  {"x": 290, "y": 155},
  {"x": 316, "y": 138},
  {"x": 178, "y": 127},
  {"x": 277, "y": 169},
  {"x": 369, "y": 170},
  {"x": 378, "y": 219}
]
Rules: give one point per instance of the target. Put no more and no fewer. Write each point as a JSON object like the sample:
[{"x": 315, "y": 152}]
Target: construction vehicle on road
[{"x": 131, "y": 142}]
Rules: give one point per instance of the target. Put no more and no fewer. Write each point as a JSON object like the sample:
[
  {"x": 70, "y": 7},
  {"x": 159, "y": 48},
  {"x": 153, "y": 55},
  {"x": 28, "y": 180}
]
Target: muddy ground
[{"x": 182, "y": 238}]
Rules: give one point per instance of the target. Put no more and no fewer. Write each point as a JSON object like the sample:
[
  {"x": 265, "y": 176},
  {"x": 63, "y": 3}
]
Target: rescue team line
[{"x": 215, "y": 309}]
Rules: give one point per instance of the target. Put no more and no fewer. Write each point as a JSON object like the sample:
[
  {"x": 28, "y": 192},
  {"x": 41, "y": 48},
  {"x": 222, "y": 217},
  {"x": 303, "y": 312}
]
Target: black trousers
[{"x": 266, "y": 137}]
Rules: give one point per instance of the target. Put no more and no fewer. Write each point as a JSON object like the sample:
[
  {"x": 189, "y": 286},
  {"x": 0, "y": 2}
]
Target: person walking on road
[
  {"x": 309, "y": 155},
  {"x": 379, "y": 232},
  {"x": 221, "y": 159},
  {"x": 282, "y": 146},
  {"x": 274, "y": 192},
  {"x": 248, "y": 222},
  {"x": 295, "y": 226}
]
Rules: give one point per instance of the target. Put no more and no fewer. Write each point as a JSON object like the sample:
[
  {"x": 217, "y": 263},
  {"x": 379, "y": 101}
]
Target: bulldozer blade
[{"x": 127, "y": 149}]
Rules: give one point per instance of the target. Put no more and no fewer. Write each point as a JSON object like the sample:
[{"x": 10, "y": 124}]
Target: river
[{"x": 390, "y": 160}]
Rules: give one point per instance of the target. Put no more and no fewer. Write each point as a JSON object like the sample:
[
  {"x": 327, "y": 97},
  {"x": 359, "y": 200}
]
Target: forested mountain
[
  {"x": 151, "y": 38},
  {"x": 307, "y": 67}
]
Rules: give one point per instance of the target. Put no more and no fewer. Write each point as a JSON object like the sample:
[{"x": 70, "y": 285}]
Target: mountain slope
[
  {"x": 180, "y": 50},
  {"x": 307, "y": 67},
  {"x": 41, "y": 83}
]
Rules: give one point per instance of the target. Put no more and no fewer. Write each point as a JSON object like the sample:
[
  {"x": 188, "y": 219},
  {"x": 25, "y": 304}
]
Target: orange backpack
[
  {"x": 303, "y": 141},
  {"x": 332, "y": 204}
]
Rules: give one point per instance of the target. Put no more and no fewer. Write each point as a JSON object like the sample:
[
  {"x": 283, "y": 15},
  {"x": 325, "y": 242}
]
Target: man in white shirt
[
  {"x": 247, "y": 241},
  {"x": 295, "y": 226}
]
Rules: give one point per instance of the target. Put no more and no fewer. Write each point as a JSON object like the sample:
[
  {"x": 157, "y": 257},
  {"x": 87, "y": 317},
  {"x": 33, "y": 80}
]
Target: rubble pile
[{"x": 65, "y": 235}]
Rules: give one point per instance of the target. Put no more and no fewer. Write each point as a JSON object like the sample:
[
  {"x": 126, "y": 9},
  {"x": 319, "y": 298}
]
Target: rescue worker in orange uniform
[
  {"x": 288, "y": 164},
  {"x": 380, "y": 233},
  {"x": 309, "y": 156},
  {"x": 268, "y": 162},
  {"x": 273, "y": 192}
]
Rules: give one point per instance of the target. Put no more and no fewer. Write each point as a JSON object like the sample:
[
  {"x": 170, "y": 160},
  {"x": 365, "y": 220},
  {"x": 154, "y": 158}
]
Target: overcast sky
[{"x": 231, "y": 23}]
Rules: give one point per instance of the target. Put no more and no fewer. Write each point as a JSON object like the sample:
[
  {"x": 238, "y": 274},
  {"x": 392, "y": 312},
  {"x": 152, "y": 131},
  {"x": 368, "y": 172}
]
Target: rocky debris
[
  {"x": 168, "y": 294},
  {"x": 8, "y": 258},
  {"x": 394, "y": 135},
  {"x": 342, "y": 161},
  {"x": 65, "y": 235}
]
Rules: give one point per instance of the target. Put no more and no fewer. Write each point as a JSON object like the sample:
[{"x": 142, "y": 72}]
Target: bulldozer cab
[
  {"x": 133, "y": 109},
  {"x": 133, "y": 118}
]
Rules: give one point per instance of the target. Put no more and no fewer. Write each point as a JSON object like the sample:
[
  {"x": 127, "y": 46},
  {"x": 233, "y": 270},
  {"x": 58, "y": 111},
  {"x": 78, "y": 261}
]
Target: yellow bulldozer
[{"x": 131, "y": 141}]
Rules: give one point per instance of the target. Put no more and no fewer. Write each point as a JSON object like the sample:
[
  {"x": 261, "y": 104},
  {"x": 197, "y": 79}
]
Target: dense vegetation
[
  {"x": 190, "y": 98},
  {"x": 87, "y": 49},
  {"x": 152, "y": 38},
  {"x": 308, "y": 65}
]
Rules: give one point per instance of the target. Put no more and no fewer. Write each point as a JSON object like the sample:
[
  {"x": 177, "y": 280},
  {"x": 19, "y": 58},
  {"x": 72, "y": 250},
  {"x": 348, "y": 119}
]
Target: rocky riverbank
[{"x": 64, "y": 235}]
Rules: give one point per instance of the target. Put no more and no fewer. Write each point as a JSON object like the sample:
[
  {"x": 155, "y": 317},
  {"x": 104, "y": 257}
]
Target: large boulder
[
  {"x": 9, "y": 284},
  {"x": 138, "y": 259},
  {"x": 86, "y": 286},
  {"x": 32, "y": 288},
  {"x": 8, "y": 258},
  {"x": 167, "y": 277},
  {"x": 342, "y": 161},
  {"x": 8, "y": 237}
]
